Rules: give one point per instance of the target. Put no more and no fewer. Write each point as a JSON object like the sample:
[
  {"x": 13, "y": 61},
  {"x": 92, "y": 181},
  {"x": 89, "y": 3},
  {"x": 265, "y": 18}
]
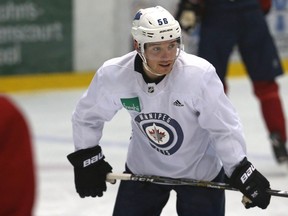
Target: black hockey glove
[
  {"x": 252, "y": 184},
  {"x": 188, "y": 14},
  {"x": 90, "y": 170}
]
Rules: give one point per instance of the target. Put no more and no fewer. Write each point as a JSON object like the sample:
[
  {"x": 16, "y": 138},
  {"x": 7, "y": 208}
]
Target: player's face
[{"x": 161, "y": 56}]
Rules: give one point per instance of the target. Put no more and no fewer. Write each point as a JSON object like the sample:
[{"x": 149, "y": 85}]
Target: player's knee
[{"x": 265, "y": 89}]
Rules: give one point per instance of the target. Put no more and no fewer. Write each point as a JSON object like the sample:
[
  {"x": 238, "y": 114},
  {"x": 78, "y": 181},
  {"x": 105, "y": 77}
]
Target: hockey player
[
  {"x": 17, "y": 182},
  {"x": 242, "y": 23},
  {"x": 183, "y": 126}
]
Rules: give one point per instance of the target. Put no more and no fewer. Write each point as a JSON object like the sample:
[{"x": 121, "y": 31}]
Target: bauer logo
[
  {"x": 92, "y": 160},
  {"x": 132, "y": 104},
  {"x": 164, "y": 133},
  {"x": 247, "y": 174}
]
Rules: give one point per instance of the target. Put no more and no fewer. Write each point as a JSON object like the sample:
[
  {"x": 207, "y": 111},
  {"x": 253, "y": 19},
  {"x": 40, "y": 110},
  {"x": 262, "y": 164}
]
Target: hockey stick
[{"x": 111, "y": 177}]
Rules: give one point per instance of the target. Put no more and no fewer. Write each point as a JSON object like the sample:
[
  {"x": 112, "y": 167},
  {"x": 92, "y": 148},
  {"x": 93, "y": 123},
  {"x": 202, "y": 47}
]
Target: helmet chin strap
[
  {"x": 147, "y": 67},
  {"x": 140, "y": 51},
  {"x": 150, "y": 70}
]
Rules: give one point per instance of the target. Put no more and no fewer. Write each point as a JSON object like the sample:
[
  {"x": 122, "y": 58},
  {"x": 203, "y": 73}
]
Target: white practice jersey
[{"x": 182, "y": 127}]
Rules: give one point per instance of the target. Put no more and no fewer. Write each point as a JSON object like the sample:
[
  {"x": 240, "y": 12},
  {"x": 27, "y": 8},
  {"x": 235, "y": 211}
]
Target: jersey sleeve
[
  {"x": 94, "y": 108},
  {"x": 219, "y": 117}
]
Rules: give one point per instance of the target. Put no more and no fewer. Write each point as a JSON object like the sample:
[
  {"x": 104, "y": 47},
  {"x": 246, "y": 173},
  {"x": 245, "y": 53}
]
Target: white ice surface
[{"x": 49, "y": 113}]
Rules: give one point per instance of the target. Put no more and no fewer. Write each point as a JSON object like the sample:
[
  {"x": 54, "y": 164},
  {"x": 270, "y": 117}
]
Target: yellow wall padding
[{"x": 16, "y": 83}]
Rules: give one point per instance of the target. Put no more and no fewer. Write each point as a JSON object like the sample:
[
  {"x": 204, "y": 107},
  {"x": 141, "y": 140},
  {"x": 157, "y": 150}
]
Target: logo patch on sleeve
[{"x": 132, "y": 104}]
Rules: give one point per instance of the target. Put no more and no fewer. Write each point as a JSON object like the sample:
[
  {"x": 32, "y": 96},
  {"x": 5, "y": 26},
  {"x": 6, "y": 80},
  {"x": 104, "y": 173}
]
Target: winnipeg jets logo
[
  {"x": 157, "y": 134},
  {"x": 164, "y": 133}
]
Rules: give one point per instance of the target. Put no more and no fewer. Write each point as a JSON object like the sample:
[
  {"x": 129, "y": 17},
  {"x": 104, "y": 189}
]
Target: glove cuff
[
  {"x": 238, "y": 168},
  {"x": 86, "y": 157}
]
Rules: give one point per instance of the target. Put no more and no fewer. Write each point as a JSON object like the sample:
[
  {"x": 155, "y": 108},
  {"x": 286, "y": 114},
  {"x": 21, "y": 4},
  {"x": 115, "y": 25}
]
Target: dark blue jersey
[{"x": 227, "y": 24}]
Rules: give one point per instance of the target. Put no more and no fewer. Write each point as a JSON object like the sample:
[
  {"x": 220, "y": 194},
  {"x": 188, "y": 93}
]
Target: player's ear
[{"x": 136, "y": 46}]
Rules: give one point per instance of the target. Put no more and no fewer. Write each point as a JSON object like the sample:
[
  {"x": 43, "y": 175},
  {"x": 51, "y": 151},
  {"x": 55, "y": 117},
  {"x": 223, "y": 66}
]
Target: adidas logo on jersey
[{"x": 178, "y": 103}]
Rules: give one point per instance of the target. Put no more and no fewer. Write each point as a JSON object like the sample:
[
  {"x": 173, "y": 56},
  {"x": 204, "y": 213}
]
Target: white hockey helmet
[{"x": 154, "y": 24}]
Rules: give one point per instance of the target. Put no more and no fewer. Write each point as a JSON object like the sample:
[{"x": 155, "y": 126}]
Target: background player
[
  {"x": 225, "y": 24},
  {"x": 17, "y": 182},
  {"x": 183, "y": 126}
]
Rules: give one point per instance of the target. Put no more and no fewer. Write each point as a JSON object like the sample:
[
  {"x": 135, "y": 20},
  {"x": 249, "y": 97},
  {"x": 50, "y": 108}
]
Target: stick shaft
[{"x": 191, "y": 182}]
